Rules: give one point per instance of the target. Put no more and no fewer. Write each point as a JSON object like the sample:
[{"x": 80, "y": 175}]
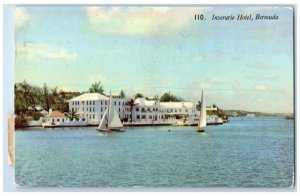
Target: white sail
[
  {"x": 110, "y": 119},
  {"x": 104, "y": 121},
  {"x": 202, "y": 120},
  {"x": 114, "y": 120}
]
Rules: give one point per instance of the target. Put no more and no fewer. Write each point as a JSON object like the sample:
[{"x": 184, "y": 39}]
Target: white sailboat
[
  {"x": 202, "y": 119},
  {"x": 110, "y": 120}
]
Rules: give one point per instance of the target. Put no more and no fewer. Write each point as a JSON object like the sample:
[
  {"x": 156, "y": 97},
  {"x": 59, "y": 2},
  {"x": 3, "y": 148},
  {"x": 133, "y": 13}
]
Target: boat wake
[{"x": 100, "y": 134}]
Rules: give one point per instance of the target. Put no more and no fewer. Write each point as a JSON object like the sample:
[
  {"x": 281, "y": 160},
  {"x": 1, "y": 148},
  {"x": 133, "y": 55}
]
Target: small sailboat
[
  {"x": 110, "y": 120},
  {"x": 202, "y": 119}
]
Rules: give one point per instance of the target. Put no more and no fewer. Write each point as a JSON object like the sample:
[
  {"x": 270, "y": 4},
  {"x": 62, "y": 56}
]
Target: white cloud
[
  {"x": 264, "y": 66},
  {"x": 198, "y": 58},
  {"x": 21, "y": 17},
  {"x": 205, "y": 57},
  {"x": 260, "y": 87},
  {"x": 108, "y": 52},
  {"x": 65, "y": 89},
  {"x": 35, "y": 51},
  {"x": 139, "y": 20},
  {"x": 97, "y": 77}
]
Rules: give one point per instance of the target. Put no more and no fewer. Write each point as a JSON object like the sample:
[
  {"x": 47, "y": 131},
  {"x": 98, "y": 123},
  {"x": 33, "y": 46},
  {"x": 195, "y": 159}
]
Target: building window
[
  {"x": 137, "y": 109},
  {"x": 115, "y": 103},
  {"x": 105, "y": 102},
  {"x": 186, "y": 110},
  {"x": 93, "y": 116},
  {"x": 82, "y": 102},
  {"x": 83, "y": 109},
  {"x": 138, "y": 117},
  {"x": 101, "y": 103},
  {"x": 143, "y": 116},
  {"x": 93, "y": 102},
  {"x": 93, "y": 109},
  {"x": 119, "y": 110},
  {"x": 63, "y": 120},
  {"x": 57, "y": 120},
  {"x": 90, "y": 116},
  {"x": 101, "y": 109},
  {"x": 119, "y": 103},
  {"x": 175, "y": 110}
]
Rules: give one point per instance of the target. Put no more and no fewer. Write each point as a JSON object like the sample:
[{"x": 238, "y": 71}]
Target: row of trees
[
  {"x": 166, "y": 97},
  {"x": 30, "y": 98}
]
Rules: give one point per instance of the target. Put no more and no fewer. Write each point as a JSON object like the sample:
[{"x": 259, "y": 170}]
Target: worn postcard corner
[{"x": 11, "y": 140}]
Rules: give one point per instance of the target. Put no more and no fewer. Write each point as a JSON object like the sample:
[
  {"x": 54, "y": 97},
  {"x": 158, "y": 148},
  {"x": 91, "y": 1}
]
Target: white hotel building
[
  {"x": 91, "y": 106},
  {"x": 156, "y": 111}
]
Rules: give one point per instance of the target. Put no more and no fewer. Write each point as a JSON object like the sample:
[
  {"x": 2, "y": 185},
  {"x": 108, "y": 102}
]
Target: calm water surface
[{"x": 247, "y": 152}]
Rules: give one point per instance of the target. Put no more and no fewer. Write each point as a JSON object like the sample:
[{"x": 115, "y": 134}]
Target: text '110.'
[{"x": 199, "y": 17}]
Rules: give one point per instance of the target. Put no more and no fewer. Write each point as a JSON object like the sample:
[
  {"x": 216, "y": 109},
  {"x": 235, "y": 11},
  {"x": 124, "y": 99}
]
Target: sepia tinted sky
[{"x": 151, "y": 50}]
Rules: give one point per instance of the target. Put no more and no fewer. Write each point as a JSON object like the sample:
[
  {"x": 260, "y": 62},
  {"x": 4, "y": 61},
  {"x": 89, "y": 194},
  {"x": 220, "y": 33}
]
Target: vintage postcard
[{"x": 154, "y": 96}]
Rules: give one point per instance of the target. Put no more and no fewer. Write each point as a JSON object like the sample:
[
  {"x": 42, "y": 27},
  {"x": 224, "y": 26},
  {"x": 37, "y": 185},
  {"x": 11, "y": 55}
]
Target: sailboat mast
[
  {"x": 202, "y": 117},
  {"x": 200, "y": 114},
  {"x": 109, "y": 108}
]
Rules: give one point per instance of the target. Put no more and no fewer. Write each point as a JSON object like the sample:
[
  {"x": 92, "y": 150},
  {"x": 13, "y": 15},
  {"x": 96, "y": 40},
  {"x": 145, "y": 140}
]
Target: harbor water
[{"x": 246, "y": 152}]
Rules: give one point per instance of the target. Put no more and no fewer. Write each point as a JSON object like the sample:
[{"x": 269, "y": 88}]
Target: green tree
[
  {"x": 96, "y": 88},
  {"x": 72, "y": 115},
  {"x": 130, "y": 103},
  {"x": 138, "y": 95},
  {"x": 46, "y": 96},
  {"x": 20, "y": 104},
  {"x": 26, "y": 96},
  {"x": 122, "y": 94},
  {"x": 169, "y": 97},
  {"x": 198, "y": 106}
]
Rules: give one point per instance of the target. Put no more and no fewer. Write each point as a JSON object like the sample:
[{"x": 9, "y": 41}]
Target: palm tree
[
  {"x": 122, "y": 94},
  {"x": 131, "y": 104},
  {"x": 138, "y": 95},
  {"x": 96, "y": 88},
  {"x": 72, "y": 115},
  {"x": 46, "y": 97}
]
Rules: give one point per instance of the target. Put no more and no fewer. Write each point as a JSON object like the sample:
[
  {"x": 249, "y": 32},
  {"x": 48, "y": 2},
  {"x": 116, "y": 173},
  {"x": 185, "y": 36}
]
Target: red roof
[{"x": 55, "y": 114}]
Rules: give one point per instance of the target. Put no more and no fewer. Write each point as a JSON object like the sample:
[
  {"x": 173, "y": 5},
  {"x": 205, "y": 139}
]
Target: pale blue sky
[{"x": 239, "y": 64}]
